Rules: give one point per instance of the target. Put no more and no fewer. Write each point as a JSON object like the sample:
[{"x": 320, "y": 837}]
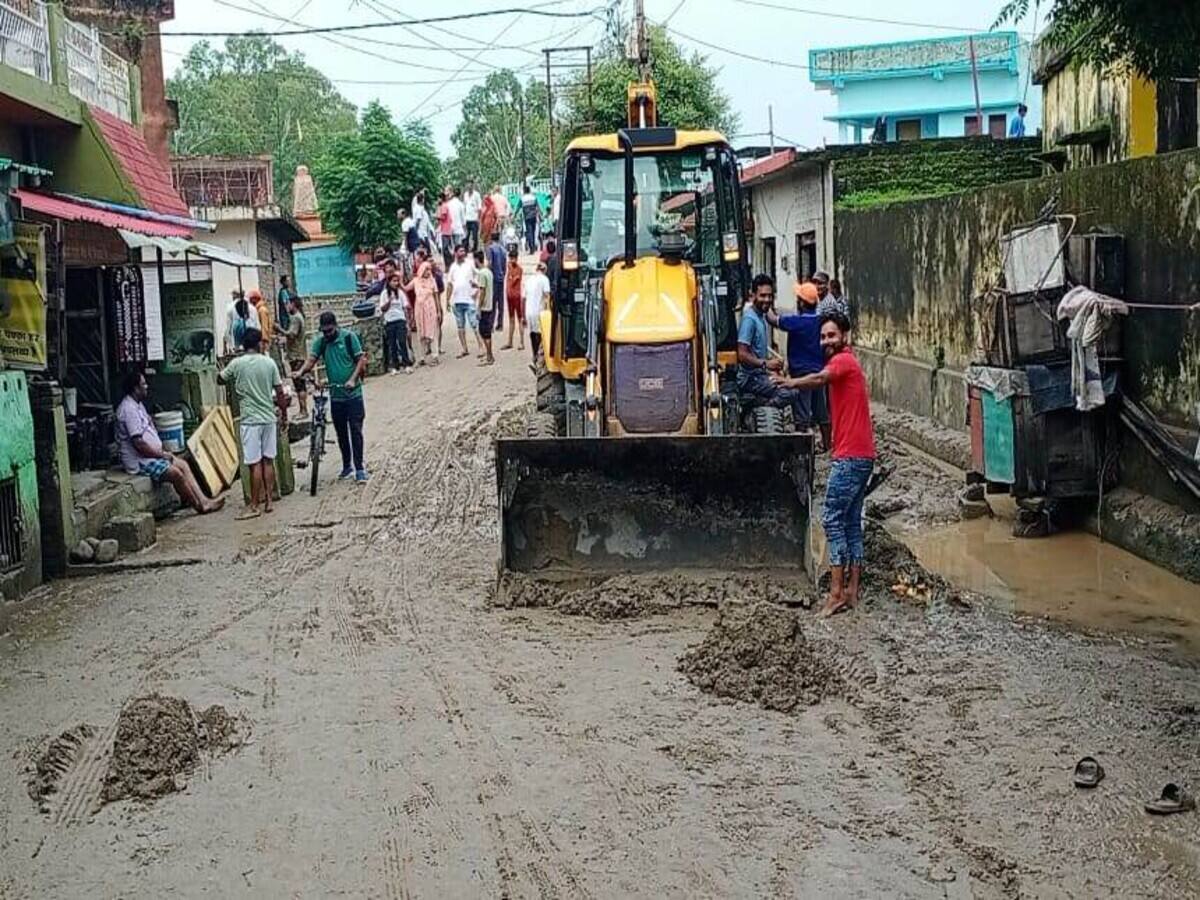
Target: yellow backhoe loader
[{"x": 639, "y": 457}]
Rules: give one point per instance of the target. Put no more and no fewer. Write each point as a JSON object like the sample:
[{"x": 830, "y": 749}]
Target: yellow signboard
[{"x": 23, "y": 299}]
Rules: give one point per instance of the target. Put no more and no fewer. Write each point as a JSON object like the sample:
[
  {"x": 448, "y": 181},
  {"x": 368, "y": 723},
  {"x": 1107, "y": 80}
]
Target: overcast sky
[{"x": 387, "y": 63}]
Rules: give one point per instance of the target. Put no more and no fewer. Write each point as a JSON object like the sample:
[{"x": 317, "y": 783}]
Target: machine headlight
[
  {"x": 729, "y": 246},
  {"x": 570, "y": 255}
]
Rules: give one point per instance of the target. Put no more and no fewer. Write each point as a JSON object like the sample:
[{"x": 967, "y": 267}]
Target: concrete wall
[
  {"x": 914, "y": 269},
  {"x": 323, "y": 269},
  {"x": 800, "y": 201}
]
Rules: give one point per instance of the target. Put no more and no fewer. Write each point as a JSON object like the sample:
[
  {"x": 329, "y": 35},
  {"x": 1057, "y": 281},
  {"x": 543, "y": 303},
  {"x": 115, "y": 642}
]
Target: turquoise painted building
[{"x": 926, "y": 88}]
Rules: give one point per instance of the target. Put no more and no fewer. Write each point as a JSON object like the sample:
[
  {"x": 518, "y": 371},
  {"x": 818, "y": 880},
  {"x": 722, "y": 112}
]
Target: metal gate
[{"x": 12, "y": 547}]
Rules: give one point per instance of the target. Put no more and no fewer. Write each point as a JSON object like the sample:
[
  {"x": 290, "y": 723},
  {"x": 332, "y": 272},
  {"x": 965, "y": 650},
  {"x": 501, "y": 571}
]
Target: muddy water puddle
[{"x": 1071, "y": 577}]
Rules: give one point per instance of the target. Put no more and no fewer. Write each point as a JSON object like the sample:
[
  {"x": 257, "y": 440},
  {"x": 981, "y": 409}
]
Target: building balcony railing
[
  {"x": 25, "y": 37},
  {"x": 95, "y": 74},
  {"x": 77, "y": 59}
]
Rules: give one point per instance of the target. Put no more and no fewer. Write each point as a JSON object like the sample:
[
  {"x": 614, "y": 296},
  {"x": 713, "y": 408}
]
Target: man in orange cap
[{"x": 805, "y": 356}]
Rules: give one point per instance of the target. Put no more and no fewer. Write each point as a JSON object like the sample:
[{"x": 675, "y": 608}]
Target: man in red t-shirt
[{"x": 853, "y": 458}]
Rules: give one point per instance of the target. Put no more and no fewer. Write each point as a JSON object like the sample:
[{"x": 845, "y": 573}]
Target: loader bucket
[{"x": 596, "y": 507}]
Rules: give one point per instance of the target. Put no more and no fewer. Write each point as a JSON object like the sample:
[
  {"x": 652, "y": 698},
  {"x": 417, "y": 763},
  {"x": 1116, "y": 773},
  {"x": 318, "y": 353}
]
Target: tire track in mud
[
  {"x": 79, "y": 795},
  {"x": 888, "y": 712}
]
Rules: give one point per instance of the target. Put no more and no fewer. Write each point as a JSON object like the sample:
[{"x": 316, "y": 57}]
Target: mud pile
[
  {"x": 892, "y": 569},
  {"x": 159, "y": 742},
  {"x": 55, "y": 761},
  {"x": 759, "y": 653},
  {"x": 631, "y": 596}
]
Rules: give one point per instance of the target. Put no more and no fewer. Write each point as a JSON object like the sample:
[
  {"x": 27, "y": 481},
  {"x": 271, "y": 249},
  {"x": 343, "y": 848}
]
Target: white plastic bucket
[{"x": 169, "y": 426}]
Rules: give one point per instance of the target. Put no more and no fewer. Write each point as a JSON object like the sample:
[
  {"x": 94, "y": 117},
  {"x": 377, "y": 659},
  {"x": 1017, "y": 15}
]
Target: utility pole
[
  {"x": 771, "y": 126},
  {"x": 975, "y": 79},
  {"x": 591, "y": 108},
  {"x": 549, "y": 115},
  {"x": 521, "y": 133},
  {"x": 643, "y": 48}
]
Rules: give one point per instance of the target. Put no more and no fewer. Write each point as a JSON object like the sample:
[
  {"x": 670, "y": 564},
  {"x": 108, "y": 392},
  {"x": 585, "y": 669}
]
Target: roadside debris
[{"x": 759, "y": 653}]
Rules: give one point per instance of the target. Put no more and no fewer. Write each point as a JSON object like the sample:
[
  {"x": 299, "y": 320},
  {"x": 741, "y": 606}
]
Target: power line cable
[
  {"x": 436, "y": 90},
  {"x": 671, "y": 14},
  {"x": 337, "y": 42},
  {"x": 340, "y": 29}
]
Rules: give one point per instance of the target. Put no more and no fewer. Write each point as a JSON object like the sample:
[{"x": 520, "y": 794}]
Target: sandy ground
[{"x": 402, "y": 738}]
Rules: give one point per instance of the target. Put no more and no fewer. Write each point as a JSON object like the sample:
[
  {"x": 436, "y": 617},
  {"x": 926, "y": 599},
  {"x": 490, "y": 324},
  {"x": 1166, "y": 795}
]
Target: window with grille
[{"x": 12, "y": 548}]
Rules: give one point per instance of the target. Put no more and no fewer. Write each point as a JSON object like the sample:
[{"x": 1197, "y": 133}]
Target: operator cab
[{"x": 684, "y": 206}]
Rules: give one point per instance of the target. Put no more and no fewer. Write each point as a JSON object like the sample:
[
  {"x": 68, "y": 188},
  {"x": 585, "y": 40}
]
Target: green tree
[
  {"x": 365, "y": 176},
  {"x": 1160, "y": 40},
  {"x": 688, "y": 96},
  {"x": 254, "y": 97},
  {"x": 487, "y": 142}
]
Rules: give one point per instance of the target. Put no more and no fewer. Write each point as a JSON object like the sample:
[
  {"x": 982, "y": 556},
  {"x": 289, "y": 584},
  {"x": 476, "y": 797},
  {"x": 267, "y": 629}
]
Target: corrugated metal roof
[
  {"x": 61, "y": 208},
  {"x": 23, "y": 168},
  {"x": 150, "y": 177}
]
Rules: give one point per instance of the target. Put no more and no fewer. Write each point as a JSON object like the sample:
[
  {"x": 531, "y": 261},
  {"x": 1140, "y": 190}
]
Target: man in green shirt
[
  {"x": 345, "y": 362},
  {"x": 255, "y": 377},
  {"x": 485, "y": 302}
]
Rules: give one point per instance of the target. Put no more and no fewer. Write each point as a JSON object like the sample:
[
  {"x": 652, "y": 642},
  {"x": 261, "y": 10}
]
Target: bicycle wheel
[{"x": 314, "y": 460}]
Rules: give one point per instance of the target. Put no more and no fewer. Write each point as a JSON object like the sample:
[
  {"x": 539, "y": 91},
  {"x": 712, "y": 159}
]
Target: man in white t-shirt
[
  {"x": 460, "y": 297},
  {"x": 536, "y": 288},
  {"x": 458, "y": 218},
  {"x": 472, "y": 204}
]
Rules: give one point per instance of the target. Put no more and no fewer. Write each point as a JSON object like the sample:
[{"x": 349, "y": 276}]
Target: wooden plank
[
  {"x": 225, "y": 462},
  {"x": 215, "y": 451}
]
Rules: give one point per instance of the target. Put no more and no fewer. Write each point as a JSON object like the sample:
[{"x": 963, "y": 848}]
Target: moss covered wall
[
  {"x": 868, "y": 174},
  {"x": 913, "y": 268}
]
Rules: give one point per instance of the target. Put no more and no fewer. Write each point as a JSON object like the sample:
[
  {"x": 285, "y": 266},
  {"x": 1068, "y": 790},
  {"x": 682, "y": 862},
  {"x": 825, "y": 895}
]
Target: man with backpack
[{"x": 345, "y": 363}]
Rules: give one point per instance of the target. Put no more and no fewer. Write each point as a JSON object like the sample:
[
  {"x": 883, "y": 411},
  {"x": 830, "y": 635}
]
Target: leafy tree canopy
[
  {"x": 487, "y": 142},
  {"x": 1159, "y": 39},
  {"x": 365, "y": 176},
  {"x": 688, "y": 96},
  {"x": 255, "y": 97}
]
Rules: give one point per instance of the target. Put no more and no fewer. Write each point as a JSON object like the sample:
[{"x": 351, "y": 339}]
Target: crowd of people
[
  {"x": 479, "y": 288},
  {"x": 464, "y": 217}
]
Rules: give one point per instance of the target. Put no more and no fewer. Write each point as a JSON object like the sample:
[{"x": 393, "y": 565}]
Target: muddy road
[{"x": 390, "y": 734}]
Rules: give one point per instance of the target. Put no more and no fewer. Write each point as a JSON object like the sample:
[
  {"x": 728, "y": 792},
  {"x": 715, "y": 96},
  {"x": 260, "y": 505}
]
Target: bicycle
[{"x": 316, "y": 438}]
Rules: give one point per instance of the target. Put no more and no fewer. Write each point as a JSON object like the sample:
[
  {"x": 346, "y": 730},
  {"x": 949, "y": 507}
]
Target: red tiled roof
[
  {"x": 149, "y": 176},
  {"x": 61, "y": 208},
  {"x": 767, "y": 166}
]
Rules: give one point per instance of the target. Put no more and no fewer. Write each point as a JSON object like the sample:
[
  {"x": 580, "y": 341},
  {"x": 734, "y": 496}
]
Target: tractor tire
[
  {"x": 551, "y": 392},
  {"x": 766, "y": 420},
  {"x": 541, "y": 425}
]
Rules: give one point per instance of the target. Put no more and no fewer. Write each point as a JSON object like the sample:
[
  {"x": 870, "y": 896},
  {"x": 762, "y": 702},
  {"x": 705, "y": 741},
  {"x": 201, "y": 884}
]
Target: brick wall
[
  {"x": 866, "y": 175},
  {"x": 277, "y": 252}
]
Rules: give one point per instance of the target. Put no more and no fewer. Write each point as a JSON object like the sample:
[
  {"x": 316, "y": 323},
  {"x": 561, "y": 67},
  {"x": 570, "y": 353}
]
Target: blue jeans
[
  {"x": 531, "y": 239},
  {"x": 395, "y": 345},
  {"x": 755, "y": 388},
  {"x": 842, "y": 517}
]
